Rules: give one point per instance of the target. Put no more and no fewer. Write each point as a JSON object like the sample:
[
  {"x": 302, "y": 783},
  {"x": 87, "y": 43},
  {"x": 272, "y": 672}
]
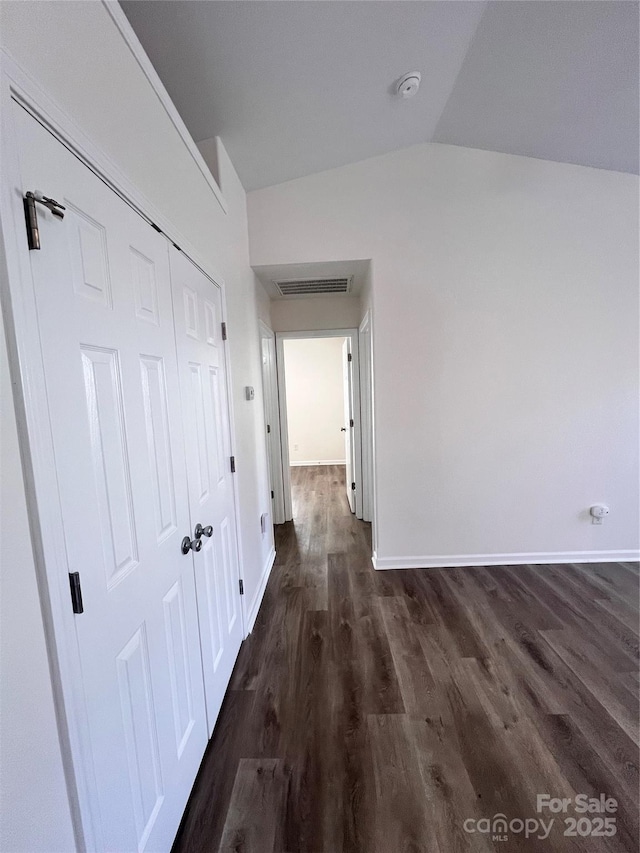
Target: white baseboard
[
  {"x": 257, "y": 598},
  {"x": 536, "y": 558},
  {"x": 325, "y": 462}
]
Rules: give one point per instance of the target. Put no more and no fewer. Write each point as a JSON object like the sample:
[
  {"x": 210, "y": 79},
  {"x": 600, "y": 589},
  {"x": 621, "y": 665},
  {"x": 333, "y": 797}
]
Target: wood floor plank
[
  {"x": 401, "y": 816},
  {"x": 417, "y": 684},
  {"x": 381, "y": 687},
  {"x": 618, "y": 579},
  {"x": 585, "y": 661},
  {"x": 304, "y": 734},
  {"x": 348, "y": 825},
  {"x": 522, "y": 743},
  {"x": 376, "y": 712},
  {"x": 623, "y": 610},
  {"x": 450, "y": 796},
  {"x": 256, "y": 812},
  {"x": 590, "y": 775},
  {"x": 204, "y": 818},
  {"x": 541, "y": 681},
  {"x": 606, "y": 630}
]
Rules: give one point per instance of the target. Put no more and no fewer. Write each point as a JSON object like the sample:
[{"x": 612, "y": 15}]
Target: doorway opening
[{"x": 320, "y": 417}]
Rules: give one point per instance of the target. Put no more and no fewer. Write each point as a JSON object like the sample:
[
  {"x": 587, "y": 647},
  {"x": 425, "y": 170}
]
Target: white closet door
[
  {"x": 106, "y": 328},
  {"x": 201, "y": 357}
]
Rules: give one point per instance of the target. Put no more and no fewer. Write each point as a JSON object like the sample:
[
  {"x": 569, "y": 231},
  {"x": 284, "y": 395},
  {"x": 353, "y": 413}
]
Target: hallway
[{"x": 378, "y": 711}]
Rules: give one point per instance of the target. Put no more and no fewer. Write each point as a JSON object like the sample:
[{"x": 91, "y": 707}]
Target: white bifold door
[
  {"x": 130, "y": 338},
  {"x": 198, "y": 315}
]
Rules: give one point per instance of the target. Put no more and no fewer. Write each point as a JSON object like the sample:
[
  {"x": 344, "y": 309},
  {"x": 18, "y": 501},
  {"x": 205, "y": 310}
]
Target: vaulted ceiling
[{"x": 294, "y": 87}]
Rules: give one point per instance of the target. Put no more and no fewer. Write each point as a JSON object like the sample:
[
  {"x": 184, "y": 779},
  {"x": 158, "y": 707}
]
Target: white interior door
[
  {"x": 347, "y": 381},
  {"x": 201, "y": 356},
  {"x": 105, "y": 322}
]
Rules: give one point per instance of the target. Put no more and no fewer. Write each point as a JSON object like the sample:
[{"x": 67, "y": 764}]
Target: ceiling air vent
[{"x": 313, "y": 286}]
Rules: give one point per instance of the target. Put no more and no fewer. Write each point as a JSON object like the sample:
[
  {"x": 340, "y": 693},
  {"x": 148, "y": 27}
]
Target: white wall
[
  {"x": 505, "y": 293},
  {"x": 315, "y": 400},
  {"x": 76, "y": 54},
  {"x": 34, "y": 817},
  {"x": 263, "y": 304},
  {"x": 308, "y": 314}
]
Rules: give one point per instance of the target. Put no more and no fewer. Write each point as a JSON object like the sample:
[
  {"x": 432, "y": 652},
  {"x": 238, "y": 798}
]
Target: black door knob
[{"x": 190, "y": 545}]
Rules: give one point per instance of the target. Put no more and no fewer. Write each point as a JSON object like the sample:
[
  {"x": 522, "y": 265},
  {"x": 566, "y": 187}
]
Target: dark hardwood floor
[{"x": 378, "y": 711}]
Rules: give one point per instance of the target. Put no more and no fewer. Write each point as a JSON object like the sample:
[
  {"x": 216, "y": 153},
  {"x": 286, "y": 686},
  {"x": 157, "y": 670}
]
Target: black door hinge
[
  {"x": 351, "y": 422},
  {"x": 233, "y": 464},
  {"x": 272, "y": 494},
  {"x": 268, "y": 428},
  {"x": 349, "y": 357},
  {"x": 224, "y": 331},
  {"x": 241, "y": 584},
  {"x": 353, "y": 487},
  {"x": 76, "y": 592}
]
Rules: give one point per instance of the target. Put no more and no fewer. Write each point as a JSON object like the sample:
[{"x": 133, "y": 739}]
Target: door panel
[
  {"x": 141, "y": 738},
  {"x": 197, "y": 450},
  {"x": 105, "y": 322},
  {"x": 154, "y": 393},
  {"x": 201, "y": 358},
  {"x": 178, "y": 657},
  {"x": 110, "y": 458},
  {"x": 217, "y": 420},
  {"x": 211, "y": 621}
]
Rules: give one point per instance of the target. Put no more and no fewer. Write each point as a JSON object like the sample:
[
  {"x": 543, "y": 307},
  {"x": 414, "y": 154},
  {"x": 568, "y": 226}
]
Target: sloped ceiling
[
  {"x": 301, "y": 86},
  {"x": 558, "y": 81}
]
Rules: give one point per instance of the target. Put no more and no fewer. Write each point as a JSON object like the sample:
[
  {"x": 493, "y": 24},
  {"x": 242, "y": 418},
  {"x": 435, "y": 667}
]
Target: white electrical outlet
[{"x": 598, "y": 513}]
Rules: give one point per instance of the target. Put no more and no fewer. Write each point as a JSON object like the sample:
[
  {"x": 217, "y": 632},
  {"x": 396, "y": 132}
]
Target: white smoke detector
[{"x": 408, "y": 84}]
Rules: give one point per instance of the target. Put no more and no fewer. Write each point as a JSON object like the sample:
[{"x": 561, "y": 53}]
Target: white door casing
[
  {"x": 366, "y": 411},
  {"x": 201, "y": 358},
  {"x": 265, "y": 356},
  {"x": 272, "y": 420},
  {"x": 352, "y": 336},
  {"x": 105, "y": 324}
]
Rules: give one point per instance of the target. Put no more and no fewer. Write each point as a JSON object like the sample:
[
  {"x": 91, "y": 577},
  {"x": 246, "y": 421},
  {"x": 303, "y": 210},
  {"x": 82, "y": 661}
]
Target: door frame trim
[
  {"x": 366, "y": 410},
  {"x": 272, "y": 417},
  {"x": 282, "y": 405},
  {"x": 26, "y": 368}
]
